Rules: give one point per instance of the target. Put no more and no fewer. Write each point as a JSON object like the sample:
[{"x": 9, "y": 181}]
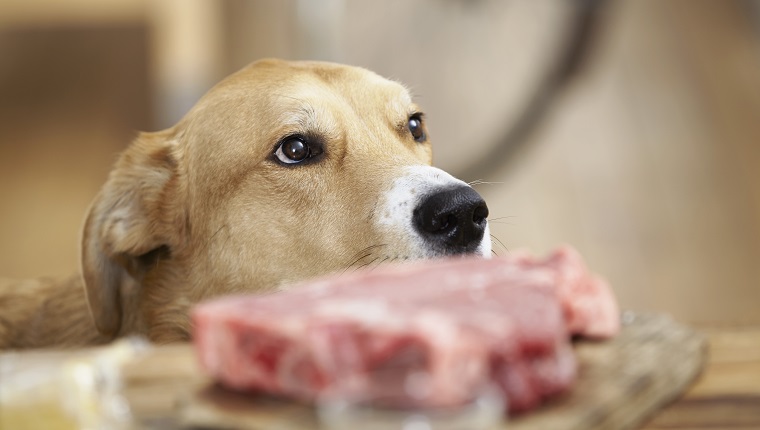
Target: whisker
[
  {"x": 501, "y": 217},
  {"x": 381, "y": 262},
  {"x": 356, "y": 261},
  {"x": 366, "y": 251},
  {"x": 363, "y": 250},
  {"x": 499, "y": 242},
  {"x": 482, "y": 182},
  {"x": 366, "y": 264}
]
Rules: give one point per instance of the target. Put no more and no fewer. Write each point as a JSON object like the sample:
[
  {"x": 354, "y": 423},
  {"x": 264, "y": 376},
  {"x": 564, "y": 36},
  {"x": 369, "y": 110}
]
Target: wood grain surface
[
  {"x": 727, "y": 396},
  {"x": 623, "y": 382}
]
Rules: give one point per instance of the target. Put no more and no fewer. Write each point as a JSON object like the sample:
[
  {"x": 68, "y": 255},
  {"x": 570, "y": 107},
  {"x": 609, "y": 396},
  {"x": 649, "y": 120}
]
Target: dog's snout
[{"x": 453, "y": 219}]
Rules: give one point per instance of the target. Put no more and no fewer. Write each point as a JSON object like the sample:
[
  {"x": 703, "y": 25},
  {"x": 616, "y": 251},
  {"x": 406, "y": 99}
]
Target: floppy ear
[{"x": 135, "y": 218}]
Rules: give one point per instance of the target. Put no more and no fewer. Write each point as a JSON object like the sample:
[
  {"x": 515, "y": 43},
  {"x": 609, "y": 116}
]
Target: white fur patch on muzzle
[{"x": 396, "y": 213}]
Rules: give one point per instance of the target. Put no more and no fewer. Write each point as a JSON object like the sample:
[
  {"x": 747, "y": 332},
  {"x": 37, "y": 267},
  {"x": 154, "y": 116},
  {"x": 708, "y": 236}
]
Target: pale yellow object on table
[{"x": 61, "y": 390}]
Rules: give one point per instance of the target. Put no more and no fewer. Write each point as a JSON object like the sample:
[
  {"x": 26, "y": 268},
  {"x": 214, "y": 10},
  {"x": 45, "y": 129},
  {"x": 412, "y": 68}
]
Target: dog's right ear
[{"x": 137, "y": 214}]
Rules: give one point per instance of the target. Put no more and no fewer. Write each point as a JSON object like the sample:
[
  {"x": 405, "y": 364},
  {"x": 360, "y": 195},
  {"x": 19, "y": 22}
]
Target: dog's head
[{"x": 281, "y": 172}]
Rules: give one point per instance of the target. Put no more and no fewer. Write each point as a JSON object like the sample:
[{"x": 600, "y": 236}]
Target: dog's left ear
[{"x": 136, "y": 217}]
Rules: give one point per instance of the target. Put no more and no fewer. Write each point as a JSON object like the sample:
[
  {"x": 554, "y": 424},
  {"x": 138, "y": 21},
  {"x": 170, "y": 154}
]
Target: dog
[{"x": 281, "y": 172}]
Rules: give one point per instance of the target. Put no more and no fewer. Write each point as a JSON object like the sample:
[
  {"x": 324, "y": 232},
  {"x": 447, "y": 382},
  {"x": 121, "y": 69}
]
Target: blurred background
[{"x": 630, "y": 129}]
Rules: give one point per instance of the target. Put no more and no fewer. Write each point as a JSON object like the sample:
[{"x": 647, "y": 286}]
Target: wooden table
[{"x": 727, "y": 396}]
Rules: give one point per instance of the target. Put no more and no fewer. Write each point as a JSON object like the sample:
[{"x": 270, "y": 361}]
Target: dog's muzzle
[
  {"x": 433, "y": 214},
  {"x": 452, "y": 221}
]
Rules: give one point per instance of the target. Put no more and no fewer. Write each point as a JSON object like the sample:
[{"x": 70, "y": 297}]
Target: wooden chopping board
[{"x": 621, "y": 383}]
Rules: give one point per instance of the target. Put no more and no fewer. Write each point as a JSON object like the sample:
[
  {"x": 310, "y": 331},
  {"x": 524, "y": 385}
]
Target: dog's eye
[
  {"x": 292, "y": 150},
  {"x": 415, "y": 127}
]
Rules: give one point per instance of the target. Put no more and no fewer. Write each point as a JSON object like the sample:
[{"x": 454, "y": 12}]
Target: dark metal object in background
[
  {"x": 753, "y": 9},
  {"x": 569, "y": 62}
]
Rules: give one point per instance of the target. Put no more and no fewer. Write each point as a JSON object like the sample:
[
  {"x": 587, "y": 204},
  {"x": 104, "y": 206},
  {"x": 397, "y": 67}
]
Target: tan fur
[
  {"x": 201, "y": 209},
  {"x": 45, "y": 312}
]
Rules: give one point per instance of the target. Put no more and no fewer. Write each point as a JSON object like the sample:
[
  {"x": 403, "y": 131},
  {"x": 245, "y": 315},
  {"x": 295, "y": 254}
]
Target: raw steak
[
  {"x": 588, "y": 303},
  {"x": 424, "y": 334}
]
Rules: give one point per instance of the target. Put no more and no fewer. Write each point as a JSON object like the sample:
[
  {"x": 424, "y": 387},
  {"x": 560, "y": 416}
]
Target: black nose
[{"x": 453, "y": 220}]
